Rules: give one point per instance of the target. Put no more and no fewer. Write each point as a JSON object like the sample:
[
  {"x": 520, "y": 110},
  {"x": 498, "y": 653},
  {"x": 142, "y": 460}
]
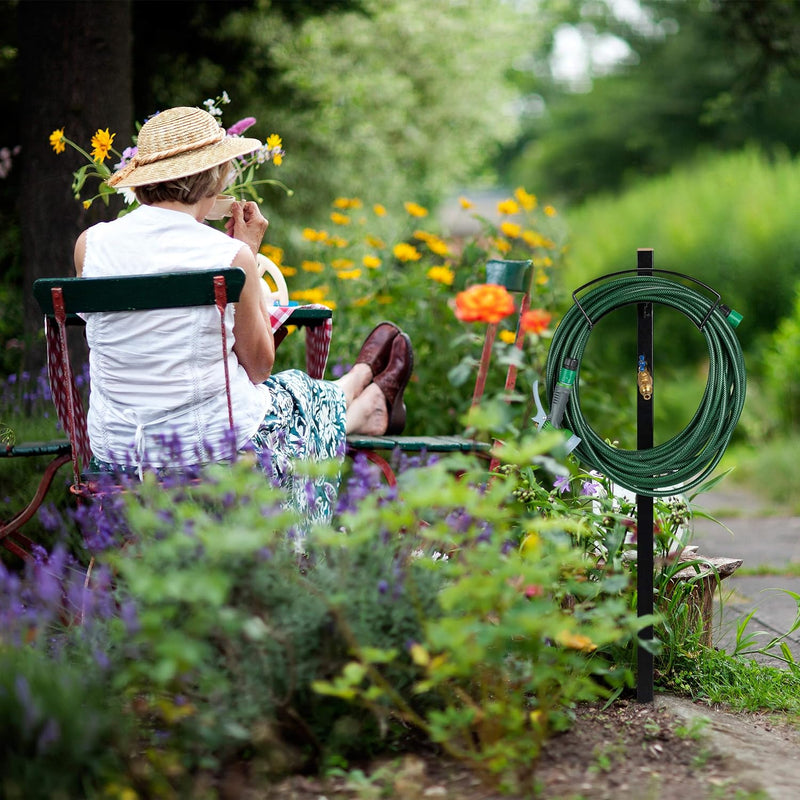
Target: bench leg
[
  {"x": 9, "y": 536},
  {"x": 380, "y": 461}
]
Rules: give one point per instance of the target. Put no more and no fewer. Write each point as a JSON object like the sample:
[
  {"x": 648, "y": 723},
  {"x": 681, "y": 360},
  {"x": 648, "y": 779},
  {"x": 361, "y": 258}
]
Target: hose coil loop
[{"x": 689, "y": 457}]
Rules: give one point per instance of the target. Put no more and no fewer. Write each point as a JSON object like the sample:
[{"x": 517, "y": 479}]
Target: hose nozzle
[{"x": 543, "y": 423}]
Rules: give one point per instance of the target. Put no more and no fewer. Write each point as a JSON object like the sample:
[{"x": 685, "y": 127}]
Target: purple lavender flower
[
  {"x": 50, "y": 734},
  {"x": 127, "y": 154},
  {"x": 589, "y": 488},
  {"x": 561, "y": 483},
  {"x": 130, "y": 617}
]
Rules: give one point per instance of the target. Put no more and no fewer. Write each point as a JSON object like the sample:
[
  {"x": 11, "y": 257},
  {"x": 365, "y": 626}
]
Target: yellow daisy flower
[
  {"x": 550, "y": 211},
  {"x": 277, "y": 159},
  {"x": 101, "y": 144},
  {"x": 340, "y": 219},
  {"x": 342, "y": 263},
  {"x": 57, "y": 140},
  {"x": 344, "y": 203},
  {"x": 575, "y": 641},
  {"x": 312, "y": 266},
  {"x": 273, "y": 253},
  {"x": 374, "y": 241},
  {"x": 287, "y": 272},
  {"x": 337, "y": 241},
  {"x": 415, "y": 209},
  {"x": 508, "y": 207},
  {"x": 511, "y": 229},
  {"x": 526, "y": 200},
  {"x": 509, "y": 337},
  {"x": 406, "y": 252},
  {"x": 502, "y": 245},
  {"x": 273, "y": 140},
  {"x": 371, "y": 262},
  {"x": 442, "y": 275},
  {"x": 465, "y": 204},
  {"x": 380, "y": 211},
  {"x": 438, "y": 246},
  {"x": 533, "y": 239},
  {"x": 349, "y": 274},
  {"x": 310, "y": 295},
  {"x": 312, "y": 235}
]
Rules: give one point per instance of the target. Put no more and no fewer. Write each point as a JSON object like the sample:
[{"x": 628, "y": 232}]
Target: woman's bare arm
[{"x": 254, "y": 345}]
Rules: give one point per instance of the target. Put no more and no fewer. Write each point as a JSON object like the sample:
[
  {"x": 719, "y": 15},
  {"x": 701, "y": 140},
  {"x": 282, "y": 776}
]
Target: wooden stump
[{"x": 705, "y": 574}]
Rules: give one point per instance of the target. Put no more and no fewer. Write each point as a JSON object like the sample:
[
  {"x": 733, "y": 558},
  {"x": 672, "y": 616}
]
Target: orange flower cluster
[
  {"x": 537, "y": 320},
  {"x": 485, "y": 302}
]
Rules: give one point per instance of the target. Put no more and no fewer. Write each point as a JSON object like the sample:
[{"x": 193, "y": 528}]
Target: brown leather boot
[
  {"x": 377, "y": 347},
  {"x": 394, "y": 379}
]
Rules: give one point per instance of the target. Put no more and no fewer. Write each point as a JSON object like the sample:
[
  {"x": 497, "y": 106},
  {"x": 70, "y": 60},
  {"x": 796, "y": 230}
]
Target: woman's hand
[{"x": 247, "y": 224}]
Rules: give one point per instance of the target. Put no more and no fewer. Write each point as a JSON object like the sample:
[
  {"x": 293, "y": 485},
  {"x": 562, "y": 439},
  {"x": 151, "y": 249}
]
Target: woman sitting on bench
[{"x": 158, "y": 396}]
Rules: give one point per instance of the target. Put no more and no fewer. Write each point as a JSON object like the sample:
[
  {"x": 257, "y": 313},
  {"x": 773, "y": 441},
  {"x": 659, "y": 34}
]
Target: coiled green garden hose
[{"x": 688, "y": 458}]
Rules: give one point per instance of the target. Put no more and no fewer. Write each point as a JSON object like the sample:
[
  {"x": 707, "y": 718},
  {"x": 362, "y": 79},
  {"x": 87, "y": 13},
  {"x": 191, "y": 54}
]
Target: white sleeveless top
[{"x": 157, "y": 394}]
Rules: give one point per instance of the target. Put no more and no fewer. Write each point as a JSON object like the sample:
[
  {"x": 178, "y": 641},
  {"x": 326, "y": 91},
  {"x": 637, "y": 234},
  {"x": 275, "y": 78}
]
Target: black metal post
[{"x": 644, "y": 504}]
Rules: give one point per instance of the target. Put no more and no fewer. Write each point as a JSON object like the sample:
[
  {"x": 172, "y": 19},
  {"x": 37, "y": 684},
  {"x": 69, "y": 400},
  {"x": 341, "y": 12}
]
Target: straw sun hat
[{"x": 179, "y": 142}]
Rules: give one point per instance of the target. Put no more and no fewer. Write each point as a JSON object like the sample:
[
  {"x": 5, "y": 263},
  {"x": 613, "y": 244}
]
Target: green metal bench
[
  {"x": 515, "y": 276},
  {"x": 59, "y": 453},
  {"x": 61, "y": 301}
]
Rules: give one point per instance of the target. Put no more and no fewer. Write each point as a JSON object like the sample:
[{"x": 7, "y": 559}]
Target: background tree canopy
[
  {"x": 389, "y": 100},
  {"x": 699, "y": 76}
]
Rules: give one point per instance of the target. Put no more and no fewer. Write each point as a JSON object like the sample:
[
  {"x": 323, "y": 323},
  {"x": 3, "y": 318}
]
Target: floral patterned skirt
[{"x": 306, "y": 423}]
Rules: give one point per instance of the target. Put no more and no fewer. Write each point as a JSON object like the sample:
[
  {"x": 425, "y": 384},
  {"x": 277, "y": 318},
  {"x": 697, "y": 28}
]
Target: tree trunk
[{"x": 75, "y": 61}]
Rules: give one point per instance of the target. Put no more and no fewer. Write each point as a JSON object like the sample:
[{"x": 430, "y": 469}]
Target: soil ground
[{"x": 671, "y": 749}]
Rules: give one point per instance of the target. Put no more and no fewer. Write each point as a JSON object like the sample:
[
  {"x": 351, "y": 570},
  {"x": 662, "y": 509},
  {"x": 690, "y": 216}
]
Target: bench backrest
[
  {"x": 62, "y": 299},
  {"x": 139, "y": 292}
]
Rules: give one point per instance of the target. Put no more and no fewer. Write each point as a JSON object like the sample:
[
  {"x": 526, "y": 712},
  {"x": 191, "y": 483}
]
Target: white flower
[{"x": 128, "y": 196}]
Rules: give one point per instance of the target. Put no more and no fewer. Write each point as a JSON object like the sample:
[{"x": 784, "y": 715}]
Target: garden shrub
[
  {"x": 438, "y": 612},
  {"x": 725, "y": 220}
]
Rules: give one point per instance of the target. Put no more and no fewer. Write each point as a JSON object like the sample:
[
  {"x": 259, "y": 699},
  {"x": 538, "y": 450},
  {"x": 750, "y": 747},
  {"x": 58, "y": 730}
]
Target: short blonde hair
[{"x": 189, "y": 190}]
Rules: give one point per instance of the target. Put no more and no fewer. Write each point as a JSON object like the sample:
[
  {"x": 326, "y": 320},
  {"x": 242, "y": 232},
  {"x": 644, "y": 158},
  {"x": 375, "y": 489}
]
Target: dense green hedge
[{"x": 728, "y": 220}]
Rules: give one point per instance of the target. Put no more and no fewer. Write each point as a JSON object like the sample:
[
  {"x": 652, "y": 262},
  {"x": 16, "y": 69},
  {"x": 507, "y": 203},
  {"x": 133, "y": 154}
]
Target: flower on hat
[
  {"x": 101, "y": 144},
  {"x": 238, "y": 128},
  {"x": 57, "y": 141},
  {"x": 243, "y": 181}
]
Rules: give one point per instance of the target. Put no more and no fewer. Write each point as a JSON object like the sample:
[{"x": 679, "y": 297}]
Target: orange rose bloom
[
  {"x": 485, "y": 302},
  {"x": 537, "y": 320}
]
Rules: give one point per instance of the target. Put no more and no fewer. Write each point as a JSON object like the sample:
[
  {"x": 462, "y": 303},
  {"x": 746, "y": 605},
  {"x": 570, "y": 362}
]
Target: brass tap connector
[{"x": 644, "y": 379}]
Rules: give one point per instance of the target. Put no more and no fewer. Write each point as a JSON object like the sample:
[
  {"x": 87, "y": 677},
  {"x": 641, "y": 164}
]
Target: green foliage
[
  {"x": 372, "y": 262},
  {"x": 725, "y": 221},
  {"x": 655, "y": 109},
  {"x": 515, "y": 635},
  {"x": 64, "y": 732},
  {"x": 440, "y": 609},
  {"x": 742, "y": 684},
  {"x": 780, "y": 368},
  {"x": 399, "y": 100},
  {"x": 769, "y": 468}
]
